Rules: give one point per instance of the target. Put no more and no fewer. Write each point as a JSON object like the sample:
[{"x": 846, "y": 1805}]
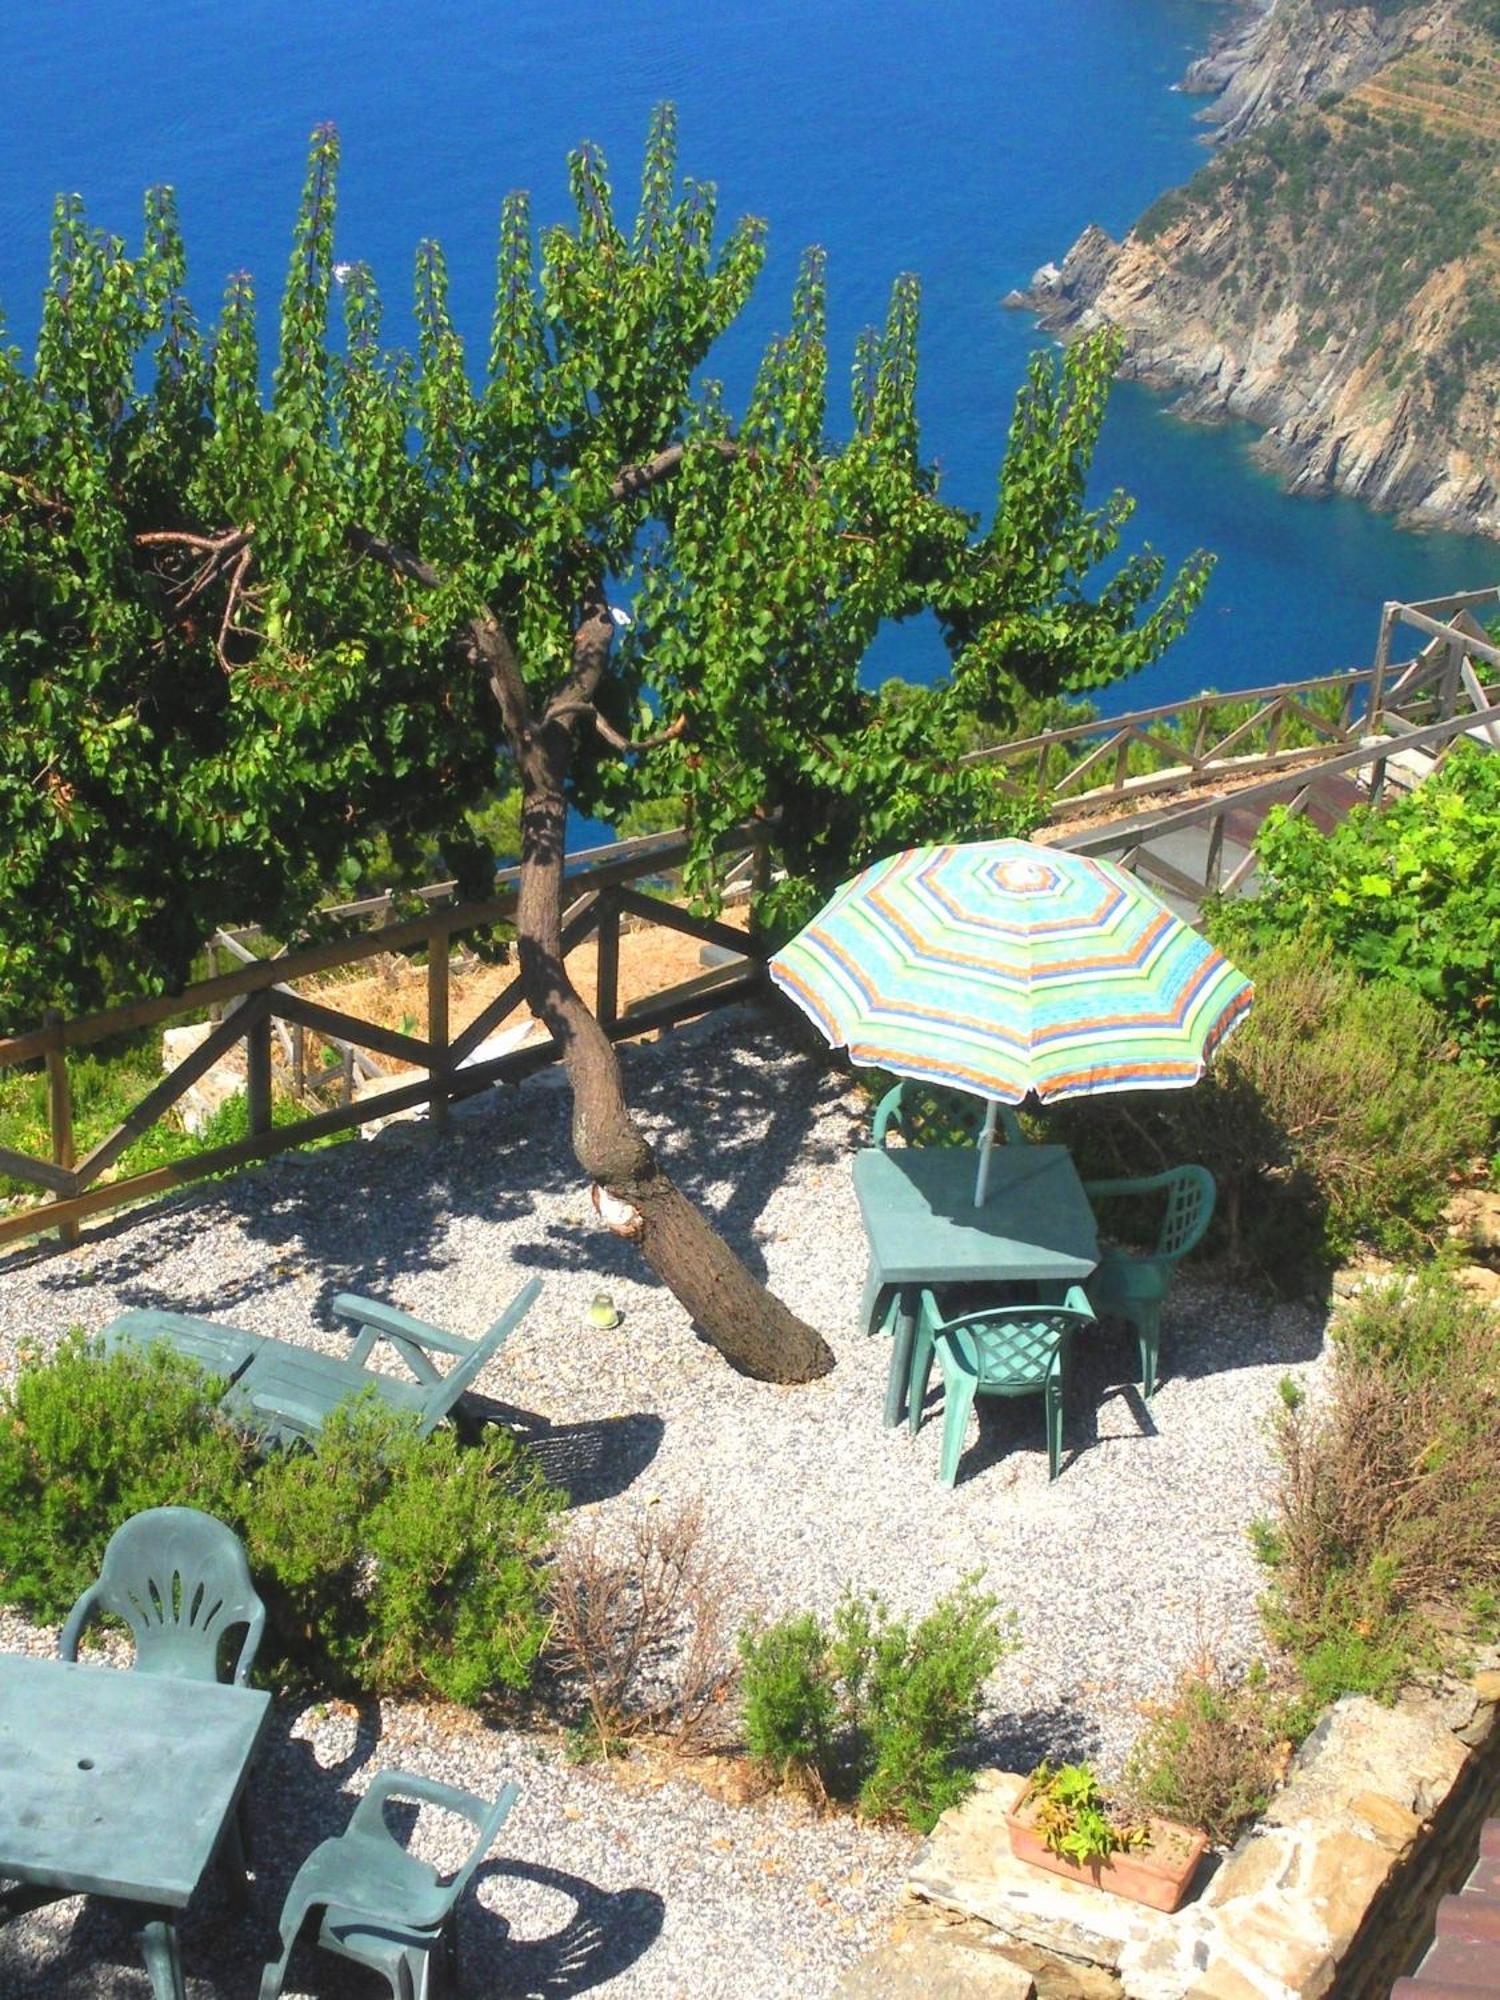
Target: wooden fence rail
[
  {"x": 1091, "y": 767},
  {"x": 1340, "y": 722},
  {"x": 262, "y": 993}
]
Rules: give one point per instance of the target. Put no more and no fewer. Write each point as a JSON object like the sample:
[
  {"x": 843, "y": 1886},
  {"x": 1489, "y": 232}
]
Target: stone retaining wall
[{"x": 1329, "y": 1894}]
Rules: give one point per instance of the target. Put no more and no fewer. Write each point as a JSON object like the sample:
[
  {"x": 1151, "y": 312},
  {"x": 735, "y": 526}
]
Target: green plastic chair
[
  {"x": 928, "y": 1114},
  {"x": 288, "y": 1392},
  {"x": 382, "y": 1906},
  {"x": 1131, "y": 1284},
  {"x": 179, "y": 1579},
  {"x": 1013, "y": 1350}
]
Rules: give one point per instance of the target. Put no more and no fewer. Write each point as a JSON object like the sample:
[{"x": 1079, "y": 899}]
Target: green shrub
[
  {"x": 791, "y": 1707},
  {"x": 1209, "y": 1756},
  {"x": 84, "y": 1444},
  {"x": 399, "y": 1562},
  {"x": 873, "y": 1709},
  {"x": 388, "y": 1562},
  {"x": 1408, "y": 894},
  {"x": 1335, "y": 1116}
]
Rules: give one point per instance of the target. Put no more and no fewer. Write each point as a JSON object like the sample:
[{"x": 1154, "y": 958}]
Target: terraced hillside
[{"x": 1333, "y": 274}]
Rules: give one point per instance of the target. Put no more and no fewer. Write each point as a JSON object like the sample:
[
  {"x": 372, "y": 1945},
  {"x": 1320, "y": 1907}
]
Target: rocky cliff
[{"x": 1333, "y": 274}]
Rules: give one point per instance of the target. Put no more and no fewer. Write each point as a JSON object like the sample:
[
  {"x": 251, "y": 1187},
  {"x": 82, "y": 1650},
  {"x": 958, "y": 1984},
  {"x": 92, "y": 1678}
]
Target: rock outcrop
[{"x": 1333, "y": 275}]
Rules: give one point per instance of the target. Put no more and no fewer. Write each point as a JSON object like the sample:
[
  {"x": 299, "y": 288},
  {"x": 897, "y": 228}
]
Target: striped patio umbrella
[{"x": 1005, "y": 968}]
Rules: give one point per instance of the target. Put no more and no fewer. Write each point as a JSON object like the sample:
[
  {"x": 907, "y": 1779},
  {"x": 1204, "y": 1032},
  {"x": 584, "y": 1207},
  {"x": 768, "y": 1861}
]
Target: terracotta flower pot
[{"x": 1157, "y": 1876}]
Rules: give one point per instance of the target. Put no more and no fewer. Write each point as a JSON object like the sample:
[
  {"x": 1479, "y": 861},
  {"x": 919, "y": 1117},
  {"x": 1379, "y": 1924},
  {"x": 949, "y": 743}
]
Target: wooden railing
[
  {"x": 1207, "y": 739},
  {"x": 1132, "y": 848},
  {"x": 262, "y": 994},
  {"x": 1343, "y": 723}
]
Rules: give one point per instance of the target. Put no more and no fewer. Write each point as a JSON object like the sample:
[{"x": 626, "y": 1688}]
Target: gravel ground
[{"x": 1120, "y": 1573}]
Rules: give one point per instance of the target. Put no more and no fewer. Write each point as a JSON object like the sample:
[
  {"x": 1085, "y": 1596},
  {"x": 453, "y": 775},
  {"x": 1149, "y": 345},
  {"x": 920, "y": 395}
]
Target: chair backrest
[
  {"x": 925, "y": 1114},
  {"x": 487, "y": 1817},
  {"x": 1010, "y": 1344},
  {"x": 1190, "y": 1208},
  {"x": 179, "y": 1579},
  {"x": 443, "y": 1395}
]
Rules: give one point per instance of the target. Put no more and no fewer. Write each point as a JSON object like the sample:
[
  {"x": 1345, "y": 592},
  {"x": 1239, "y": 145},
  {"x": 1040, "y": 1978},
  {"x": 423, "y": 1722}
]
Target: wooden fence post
[
  {"x": 439, "y": 945},
  {"x": 1382, "y": 662},
  {"x": 1452, "y": 676},
  {"x": 607, "y": 978},
  {"x": 60, "y": 1111},
  {"x": 258, "y": 1065}
]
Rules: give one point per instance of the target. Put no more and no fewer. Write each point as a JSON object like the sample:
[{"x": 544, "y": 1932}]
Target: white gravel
[{"x": 1120, "y": 1573}]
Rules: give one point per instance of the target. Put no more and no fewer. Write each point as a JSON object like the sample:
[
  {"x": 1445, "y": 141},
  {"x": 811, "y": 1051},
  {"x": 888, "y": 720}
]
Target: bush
[
  {"x": 1211, "y": 1754},
  {"x": 388, "y": 1563},
  {"x": 873, "y": 1709},
  {"x": 1385, "y": 1540},
  {"x": 641, "y": 1629},
  {"x": 1335, "y": 1116},
  {"x": 405, "y": 1563},
  {"x": 84, "y": 1444},
  {"x": 1408, "y": 894}
]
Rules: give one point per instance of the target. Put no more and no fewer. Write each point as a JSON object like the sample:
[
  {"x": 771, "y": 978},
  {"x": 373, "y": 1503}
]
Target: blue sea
[{"x": 967, "y": 140}]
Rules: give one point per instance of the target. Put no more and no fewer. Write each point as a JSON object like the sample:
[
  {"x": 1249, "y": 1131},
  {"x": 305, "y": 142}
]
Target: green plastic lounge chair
[
  {"x": 1013, "y": 1350},
  {"x": 382, "y": 1907},
  {"x": 179, "y": 1579},
  {"x": 1131, "y": 1284},
  {"x": 288, "y": 1393}
]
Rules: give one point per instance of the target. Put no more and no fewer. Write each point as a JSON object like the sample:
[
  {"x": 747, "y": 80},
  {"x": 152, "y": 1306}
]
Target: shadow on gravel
[
  {"x": 1059, "y": 1732},
  {"x": 607, "y": 1932},
  {"x": 589, "y": 1461},
  {"x": 730, "y": 1111}
]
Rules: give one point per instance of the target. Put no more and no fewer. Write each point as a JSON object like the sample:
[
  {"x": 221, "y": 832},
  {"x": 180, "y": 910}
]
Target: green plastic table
[
  {"x": 119, "y": 1784},
  {"x": 918, "y": 1208}
]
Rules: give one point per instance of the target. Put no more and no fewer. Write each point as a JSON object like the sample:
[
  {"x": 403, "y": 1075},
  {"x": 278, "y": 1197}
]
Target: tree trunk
[{"x": 754, "y": 1331}]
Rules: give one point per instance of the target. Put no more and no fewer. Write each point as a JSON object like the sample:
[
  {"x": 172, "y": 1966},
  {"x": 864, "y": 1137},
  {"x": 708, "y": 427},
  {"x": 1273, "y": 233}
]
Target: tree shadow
[
  {"x": 729, "y": 1105},
  {"x": 1019, "y": 1741}
]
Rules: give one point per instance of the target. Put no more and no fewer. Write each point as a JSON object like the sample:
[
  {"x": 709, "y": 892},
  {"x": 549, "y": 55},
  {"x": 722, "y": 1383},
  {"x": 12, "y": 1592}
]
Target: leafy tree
[{"x": 245, "y": 637}]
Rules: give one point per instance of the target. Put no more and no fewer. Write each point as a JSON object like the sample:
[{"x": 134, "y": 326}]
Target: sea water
[{"x": 966, "y": 140}]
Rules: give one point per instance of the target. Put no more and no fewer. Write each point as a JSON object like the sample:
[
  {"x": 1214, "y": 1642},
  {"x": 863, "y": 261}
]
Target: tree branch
[
  {"x": 227, "y": 553},
  {"x": 633, "y": 480},
  {"x": 591, "y": 644},
  {"x": 560, "y": 712},
  {"x": 403, "y": 561},
  {"x": 490, "y": 648}
]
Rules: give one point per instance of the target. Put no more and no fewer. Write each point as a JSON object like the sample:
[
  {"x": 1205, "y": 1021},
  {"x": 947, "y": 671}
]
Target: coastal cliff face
[{"x": 1333, "y": 274}]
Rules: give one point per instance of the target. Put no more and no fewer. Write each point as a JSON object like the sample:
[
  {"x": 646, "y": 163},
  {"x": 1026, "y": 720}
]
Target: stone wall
[{"x": 1329, "y": 1894}]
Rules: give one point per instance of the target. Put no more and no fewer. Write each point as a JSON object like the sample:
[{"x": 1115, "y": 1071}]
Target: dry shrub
[
  {"x": 1388, "y": 1504},
  {"x": 1212, "y": 1753},
  {"x": 642, "y": 1629},
  {"x": 1335, "y": 1116}
]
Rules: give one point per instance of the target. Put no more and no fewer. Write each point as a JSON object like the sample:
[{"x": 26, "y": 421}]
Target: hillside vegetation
[{"x": 1333, "y": 274}]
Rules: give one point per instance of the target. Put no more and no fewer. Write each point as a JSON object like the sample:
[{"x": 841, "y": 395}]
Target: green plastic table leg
[
  {"x": 901, "y": 1345},
  {"x": 163, "y": 1957}
]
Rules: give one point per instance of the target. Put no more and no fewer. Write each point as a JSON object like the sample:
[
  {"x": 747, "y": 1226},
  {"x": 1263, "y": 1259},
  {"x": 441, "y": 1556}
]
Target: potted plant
[{"x": 1063, "y": 1823}]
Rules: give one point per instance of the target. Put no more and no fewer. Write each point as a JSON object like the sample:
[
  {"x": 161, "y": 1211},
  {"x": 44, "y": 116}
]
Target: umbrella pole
[{"x": 986, "y": 1147}]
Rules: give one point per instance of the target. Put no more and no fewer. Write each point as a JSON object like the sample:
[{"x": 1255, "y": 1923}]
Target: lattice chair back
[
  {"x": 926, "y": 1114},
  {"x": 179, "y": 1579},
  {"x": 998, "y": 1351},
  {"x": 1012, "y": 1346},
  {"x": 1190, "y": 1208}
]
